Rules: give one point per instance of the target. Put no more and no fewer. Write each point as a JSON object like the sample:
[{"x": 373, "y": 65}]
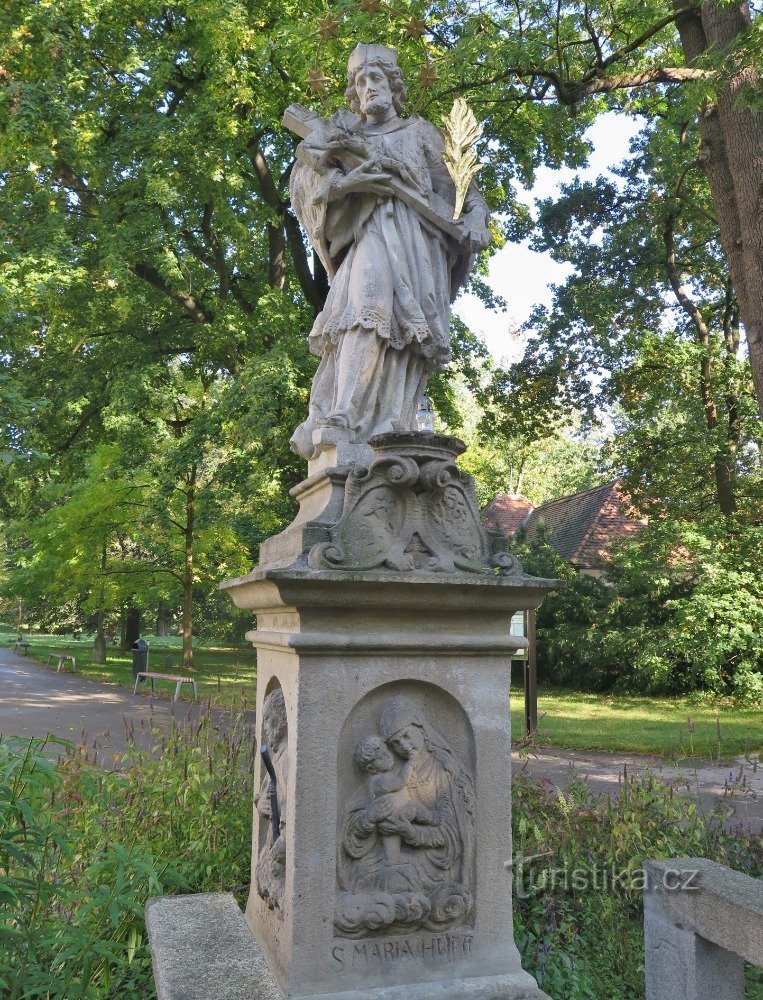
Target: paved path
[
  {"x": 35, "y": 700},
  {"x": 703, "y": 779}
]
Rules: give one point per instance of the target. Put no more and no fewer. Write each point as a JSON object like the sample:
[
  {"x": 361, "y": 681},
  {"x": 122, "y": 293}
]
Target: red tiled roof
[
  {"x": 507, "y": 511},
  {"x": 583, "y": 527}
]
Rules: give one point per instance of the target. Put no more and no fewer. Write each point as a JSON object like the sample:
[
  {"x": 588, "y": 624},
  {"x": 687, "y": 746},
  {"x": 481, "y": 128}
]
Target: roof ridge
[
  {"x": 511, "y": 496},
  {"x": 580, "y": 493}
]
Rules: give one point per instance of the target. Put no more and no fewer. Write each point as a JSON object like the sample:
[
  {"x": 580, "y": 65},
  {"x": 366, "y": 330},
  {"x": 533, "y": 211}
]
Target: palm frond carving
[{"x": 462, "y": 130}]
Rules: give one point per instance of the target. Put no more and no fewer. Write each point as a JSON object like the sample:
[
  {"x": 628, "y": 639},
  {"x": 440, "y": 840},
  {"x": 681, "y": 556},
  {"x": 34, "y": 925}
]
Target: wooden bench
[
  {"x": 174, "y": 678},
  {"x": 62, "y": 658},
  {"x": 23, "y": 646}
]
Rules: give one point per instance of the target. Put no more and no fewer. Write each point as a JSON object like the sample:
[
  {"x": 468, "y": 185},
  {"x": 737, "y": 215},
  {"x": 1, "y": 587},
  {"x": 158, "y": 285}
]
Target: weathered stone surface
[
  {"x": 272, "y": 857},
  {"x": 398, "y": 786},
  {"x": 383, "y": 611},
  {"x": 202, "y": 949},
  {"x": 407, "y": 833},
  {"x": 362, "y": 186},
  {"x": 701, "y": 922},
  {"x": 410, "y": 508},
  {"x": 406, "y": 507}
]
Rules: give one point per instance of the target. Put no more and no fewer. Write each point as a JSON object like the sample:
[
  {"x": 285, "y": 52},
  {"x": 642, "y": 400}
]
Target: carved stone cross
[{"x": 305, "y": 123}]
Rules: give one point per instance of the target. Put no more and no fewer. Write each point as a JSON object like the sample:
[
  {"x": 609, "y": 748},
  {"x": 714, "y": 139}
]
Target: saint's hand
[
  {"x": 363, "y": 179},
  {"x": 476, "y": 234}
]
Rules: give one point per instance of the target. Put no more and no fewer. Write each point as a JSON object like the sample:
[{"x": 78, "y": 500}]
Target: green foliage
[
  {"x": 680, "y": 610},
  {"x": 81, "y": 850},
  {"x": 578, "y": 881},
  {"x": 656, "y": 347}
]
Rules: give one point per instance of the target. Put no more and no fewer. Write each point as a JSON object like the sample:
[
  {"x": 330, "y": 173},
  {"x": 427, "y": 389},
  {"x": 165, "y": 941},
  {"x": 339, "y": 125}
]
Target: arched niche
[{"x": 406, "y": 813}]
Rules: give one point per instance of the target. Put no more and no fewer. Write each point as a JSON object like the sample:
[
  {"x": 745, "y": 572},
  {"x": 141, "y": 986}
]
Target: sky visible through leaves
[{"x": 521, "y": 275}]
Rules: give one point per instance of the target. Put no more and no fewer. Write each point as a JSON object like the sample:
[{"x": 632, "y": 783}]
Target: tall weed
[
  {"x": 578, "y": 883},
  {"x": 81, "y": 849}
]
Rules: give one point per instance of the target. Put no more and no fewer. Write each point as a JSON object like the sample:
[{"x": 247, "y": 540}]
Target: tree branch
[
  {"x": 665, "y": 74},
  {"x": 69, "y": 179},
  {"x": 191, "y": 305}
]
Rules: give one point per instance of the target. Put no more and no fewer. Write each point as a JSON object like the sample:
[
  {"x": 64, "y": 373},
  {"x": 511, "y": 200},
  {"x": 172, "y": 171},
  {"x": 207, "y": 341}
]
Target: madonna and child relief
[{"x": 406, "y": 832}]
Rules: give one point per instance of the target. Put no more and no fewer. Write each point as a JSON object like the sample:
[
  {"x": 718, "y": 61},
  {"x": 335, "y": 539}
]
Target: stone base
[
  {"x": 202, "y": 949},
  {"x": 399, "y": 503}
]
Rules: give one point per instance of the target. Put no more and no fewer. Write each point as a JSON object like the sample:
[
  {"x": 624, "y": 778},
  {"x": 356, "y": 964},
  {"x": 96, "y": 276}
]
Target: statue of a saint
[{"x": 385, "y": 325}]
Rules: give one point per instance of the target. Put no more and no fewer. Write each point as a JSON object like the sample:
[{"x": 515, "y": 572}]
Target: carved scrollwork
[{"x": 412, "y": 508}]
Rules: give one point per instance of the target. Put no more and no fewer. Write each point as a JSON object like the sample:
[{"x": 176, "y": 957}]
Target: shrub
[
  {"x": 82, "y": 849},
  {"x": 680, "y": 610},
  {"x": 578, "y": 891}
]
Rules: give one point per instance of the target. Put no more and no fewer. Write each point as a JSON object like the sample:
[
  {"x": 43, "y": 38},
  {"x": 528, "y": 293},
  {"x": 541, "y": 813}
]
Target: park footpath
[{"x": 36, "y": 701}]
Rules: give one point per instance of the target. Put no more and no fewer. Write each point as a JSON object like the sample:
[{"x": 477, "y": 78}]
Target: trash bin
[{"x": 139, "y": 657}]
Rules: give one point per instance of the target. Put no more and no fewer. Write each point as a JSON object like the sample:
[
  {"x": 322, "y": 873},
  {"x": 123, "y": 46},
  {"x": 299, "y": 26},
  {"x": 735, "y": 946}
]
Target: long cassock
[{"x": 385, "y": 325}]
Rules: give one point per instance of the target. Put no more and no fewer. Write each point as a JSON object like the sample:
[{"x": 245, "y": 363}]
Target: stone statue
[
  {"x": 406, "y": 851},
  {"x": 270, "y": 872},
  {"x": 393, "y": 271}
]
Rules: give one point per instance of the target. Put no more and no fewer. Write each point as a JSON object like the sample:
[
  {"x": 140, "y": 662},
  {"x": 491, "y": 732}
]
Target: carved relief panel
[
  {"x": 406, "y": 836},
  {"x": 270, "y": 802}
]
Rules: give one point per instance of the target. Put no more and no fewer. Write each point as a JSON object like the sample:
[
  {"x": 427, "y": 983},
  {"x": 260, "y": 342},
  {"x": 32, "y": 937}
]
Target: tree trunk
[
  {"x": 320, "y": 277},
  {"x": 162, "y": 624},
  {"x": 99, "y": 643},
  {"x": 277, "y": 256},
  {"x": 722, "y": 468},
  {"x": 132, "y": 625},
  {"x": 190, "y": 516},
  {"x": 732, "y": 155}
]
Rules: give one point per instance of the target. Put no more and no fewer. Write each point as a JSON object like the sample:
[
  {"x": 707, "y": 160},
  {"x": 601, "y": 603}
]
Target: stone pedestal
[
  {"x": 385, "y": 698},
  {"x": 383, "y": 651}
]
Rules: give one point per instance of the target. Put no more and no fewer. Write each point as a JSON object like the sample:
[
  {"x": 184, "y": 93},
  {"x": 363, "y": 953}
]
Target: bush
[
  {"x": 680, "y": 610},
  {"x": 578, "y": 881},
  {"x": 82, "y": 849}
]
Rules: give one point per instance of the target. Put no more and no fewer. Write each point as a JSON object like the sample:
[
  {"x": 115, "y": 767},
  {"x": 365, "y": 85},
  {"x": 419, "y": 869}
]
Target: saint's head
[{"x": 375, "y": 85}]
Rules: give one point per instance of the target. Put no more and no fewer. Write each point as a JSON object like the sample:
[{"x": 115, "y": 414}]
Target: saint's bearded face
[{"x": 373, "y": 90}]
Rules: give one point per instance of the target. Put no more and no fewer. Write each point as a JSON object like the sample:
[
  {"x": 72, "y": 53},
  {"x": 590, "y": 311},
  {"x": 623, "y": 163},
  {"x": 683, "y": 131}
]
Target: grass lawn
[
  {"x": 580, "y": 721},
  {"x": 570, "y": 719},
  {"x": 225, "y": 675}
]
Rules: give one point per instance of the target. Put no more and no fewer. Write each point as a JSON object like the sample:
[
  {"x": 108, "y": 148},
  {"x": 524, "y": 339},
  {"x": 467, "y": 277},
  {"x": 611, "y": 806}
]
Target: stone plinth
[
  {"x": 382, "y": 826},
  {"x": 384, "y": 698}
]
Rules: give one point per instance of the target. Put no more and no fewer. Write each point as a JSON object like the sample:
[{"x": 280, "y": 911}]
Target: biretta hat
[{"x": 363, "y": 54}]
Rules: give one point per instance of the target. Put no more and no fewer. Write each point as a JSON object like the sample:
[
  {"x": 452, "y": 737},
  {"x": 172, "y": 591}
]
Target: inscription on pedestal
[
  {"x": 406, "y": 830},
  {"x": 359, "y": 956}
]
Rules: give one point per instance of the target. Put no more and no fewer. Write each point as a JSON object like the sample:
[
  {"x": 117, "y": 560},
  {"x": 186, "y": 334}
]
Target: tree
[
  {"x": 656, "y": 625},
  {"x": 593, "y": 55},
  {"x": 148, "y": 245},
  {"x": 648, "y": 327}
]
